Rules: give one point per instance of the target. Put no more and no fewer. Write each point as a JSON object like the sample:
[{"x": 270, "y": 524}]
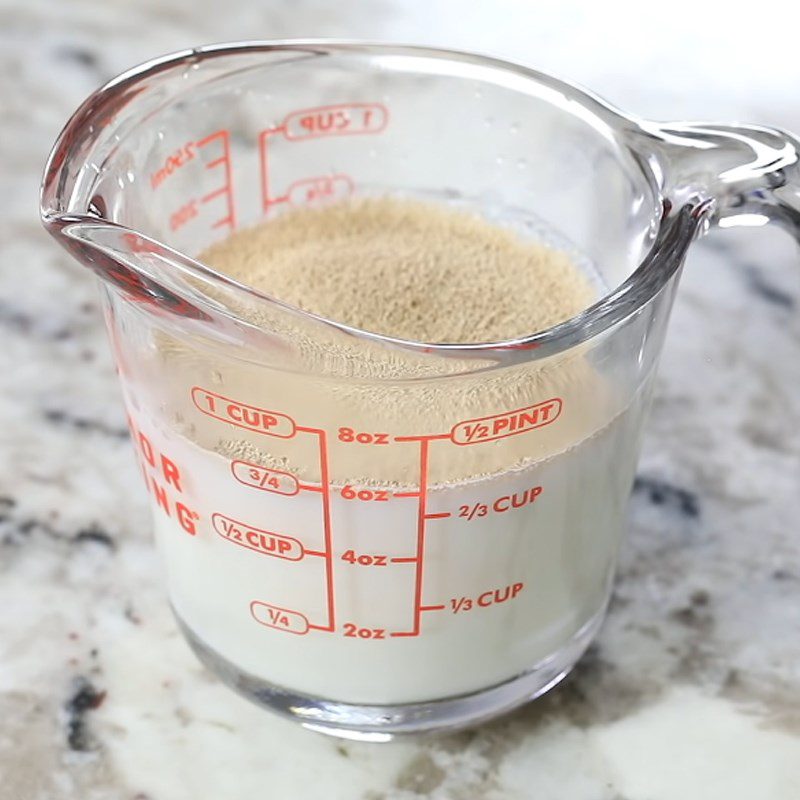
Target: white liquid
[{"x": 514, "y": 584}]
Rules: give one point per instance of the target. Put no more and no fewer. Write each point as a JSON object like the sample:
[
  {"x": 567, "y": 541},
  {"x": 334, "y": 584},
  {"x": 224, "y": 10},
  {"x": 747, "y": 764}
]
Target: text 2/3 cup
[{"x": 366, "y": 534}]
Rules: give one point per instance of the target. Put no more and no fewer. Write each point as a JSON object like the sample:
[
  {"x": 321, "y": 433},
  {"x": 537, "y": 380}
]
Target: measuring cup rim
[{"x": 675, "y": 232}]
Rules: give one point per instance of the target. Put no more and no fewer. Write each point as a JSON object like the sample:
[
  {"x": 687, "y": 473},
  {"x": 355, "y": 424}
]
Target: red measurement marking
[
  {"x": 310, "y": 191},
  {"x": 509, "y": 423},
  {"x": 423, "y": 505},
  {"x": 433, "y": 608},
  {"x": 364, "y": 559},
  {"x": 425, "y": 438},
  {"x": 349, "y": 435},
  {"x": 326, "y": 516},
  {"x": 402, "y": 560},
  {"x": 265, "y": 542},
  {"x": 173, "y": 162},
  {"x": 441, "y": 515},
  {"x": 507, "y": 502},
  {"x": 424, "y": 444},
  {"x": 251, "y": 418},
  {"x": 266, "y": 200},
  {"x": 366, "y": 495},
  {"x": 326, "y": 510},
  {"x": 345, "y": 119},
  {"x": 492, "y": 597},
  {"x": 406, "y": 494},
  {"x": 213, "y": 195},
  {"x": 184, "y": 214},
  {"x": 470, "y": 511},
  {"x": 267, "y": 480},
  {"x": 224, "y": 160},
  {"x": 280, "y": 618},
  {"x": 354, "y": 631},
  {"x": 307, "y": 487}
]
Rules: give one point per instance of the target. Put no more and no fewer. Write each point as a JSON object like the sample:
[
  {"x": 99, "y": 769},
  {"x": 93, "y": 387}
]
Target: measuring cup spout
[
  {"x": 749, "y": 174},
  {"x": 143, "y": 268},
  {"x": 158, "y": 278}
]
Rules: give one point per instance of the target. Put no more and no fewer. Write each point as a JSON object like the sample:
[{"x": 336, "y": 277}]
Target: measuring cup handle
[{"x": 751, "y": 174}]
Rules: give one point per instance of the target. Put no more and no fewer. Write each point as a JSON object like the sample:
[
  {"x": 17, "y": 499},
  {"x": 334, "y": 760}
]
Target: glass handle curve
[{"x": 751, "y": 174}]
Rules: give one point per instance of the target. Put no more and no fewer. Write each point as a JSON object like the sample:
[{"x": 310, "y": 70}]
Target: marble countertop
[{"x": 692, "y": 689}]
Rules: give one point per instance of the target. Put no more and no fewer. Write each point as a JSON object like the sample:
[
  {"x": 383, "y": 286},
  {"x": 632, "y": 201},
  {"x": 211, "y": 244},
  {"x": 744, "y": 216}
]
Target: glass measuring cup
[{"x": 370, "y": 535}]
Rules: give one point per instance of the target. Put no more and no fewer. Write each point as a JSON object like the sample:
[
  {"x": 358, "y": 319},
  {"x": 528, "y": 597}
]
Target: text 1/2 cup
[{"x": 371, "y": 535}]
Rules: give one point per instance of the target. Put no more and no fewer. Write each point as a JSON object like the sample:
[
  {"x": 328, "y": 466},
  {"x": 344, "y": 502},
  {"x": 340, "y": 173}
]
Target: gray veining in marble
[{"x": 693, "y": 687}]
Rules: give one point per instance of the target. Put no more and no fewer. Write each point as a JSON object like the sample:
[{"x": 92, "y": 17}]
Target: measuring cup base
[{"x": 381, "y": 723}]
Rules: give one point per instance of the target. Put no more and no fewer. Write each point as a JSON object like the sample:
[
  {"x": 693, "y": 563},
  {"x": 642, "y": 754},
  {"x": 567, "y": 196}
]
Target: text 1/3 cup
[{"x": 370, "y": 535}]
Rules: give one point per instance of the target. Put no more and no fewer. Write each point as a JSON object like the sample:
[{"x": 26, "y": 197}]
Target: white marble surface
[{"x": 693, "y": 688}]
